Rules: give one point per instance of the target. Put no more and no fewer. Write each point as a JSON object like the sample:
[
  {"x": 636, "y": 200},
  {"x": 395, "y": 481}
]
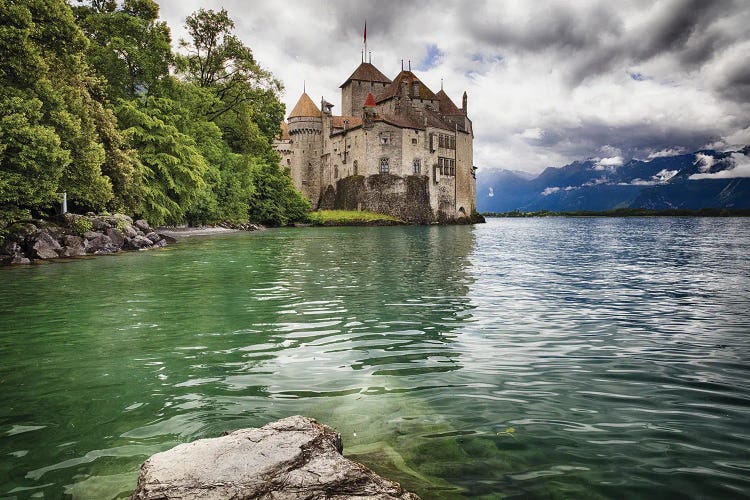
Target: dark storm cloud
[
  {"x": 549, "y": 81},
  {"x": 632, "y": 140}
]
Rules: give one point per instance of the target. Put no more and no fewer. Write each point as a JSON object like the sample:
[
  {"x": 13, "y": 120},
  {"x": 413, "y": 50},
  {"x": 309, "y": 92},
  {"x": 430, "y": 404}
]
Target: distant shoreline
[{"x": 628, "y": 212}]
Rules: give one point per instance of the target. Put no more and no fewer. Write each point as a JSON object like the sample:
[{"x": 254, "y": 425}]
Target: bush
[{"x": 81, "y": 225}]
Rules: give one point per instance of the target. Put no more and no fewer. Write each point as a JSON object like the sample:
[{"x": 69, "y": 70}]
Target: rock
[
  {"x": 292, "y": 458},
  {"x": 100, "y": 224},
  {"x": 118, "y": 239},
  {"x": 153, "y": 237},
  {"x": 44, "y": 246},
  {"x": 101, "y": 244},
  {"x": 167, "y": 239},
  {"x": 90, "y": 235},
  {"x": 138, "y": 243},
  {"x": 13, "y": 254},
  {"x": 129, "y": 231},
  {"x": 142, "y": 225},
  {"x": 73, "y": 246},
  {"x": 19, "y": 259},
  {"x": 160, "y": 243}
]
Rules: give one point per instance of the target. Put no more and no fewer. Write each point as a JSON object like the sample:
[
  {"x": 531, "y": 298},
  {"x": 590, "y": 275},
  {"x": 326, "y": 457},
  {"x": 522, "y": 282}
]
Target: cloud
[
  {"x": 532, "y": 133},
  {"x": 704, "y": 162},
  {"x": 609, "y": 163},
  {"x": 550, "y": 190},
  {"x": 573, "y": 77},
  {"x": 665, "y": 152},
  {"x": 491, "y": 193},
  {"x": 740, "y": 167}
]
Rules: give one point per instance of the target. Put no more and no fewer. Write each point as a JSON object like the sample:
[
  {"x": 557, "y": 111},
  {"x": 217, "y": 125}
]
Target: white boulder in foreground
[{"x": 295, "y": 457}]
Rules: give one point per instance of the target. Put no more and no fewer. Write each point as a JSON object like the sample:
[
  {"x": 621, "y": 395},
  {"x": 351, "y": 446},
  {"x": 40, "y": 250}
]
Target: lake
[{"x": 528, "y": 358}]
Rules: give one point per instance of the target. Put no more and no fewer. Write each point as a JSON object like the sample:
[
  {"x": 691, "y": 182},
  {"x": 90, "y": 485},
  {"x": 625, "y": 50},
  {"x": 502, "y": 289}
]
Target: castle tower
[
  {"x": 365, "y": 79},
  {"x": 305, "y": 132}
]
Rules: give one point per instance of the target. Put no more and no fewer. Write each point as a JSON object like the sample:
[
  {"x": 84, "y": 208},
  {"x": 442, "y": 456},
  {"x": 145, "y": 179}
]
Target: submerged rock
[{"x": 295, "y": 457}]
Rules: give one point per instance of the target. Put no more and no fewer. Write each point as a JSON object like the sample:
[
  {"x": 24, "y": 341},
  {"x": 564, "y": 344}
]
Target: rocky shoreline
[{"x": 77, "y": 235}]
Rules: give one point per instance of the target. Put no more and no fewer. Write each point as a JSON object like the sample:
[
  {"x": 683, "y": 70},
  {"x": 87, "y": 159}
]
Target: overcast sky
[{"x": 549, "y": 82}]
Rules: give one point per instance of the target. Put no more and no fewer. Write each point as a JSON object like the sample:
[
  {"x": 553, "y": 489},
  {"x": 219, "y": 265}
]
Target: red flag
[{"x": 365, "y": 34}]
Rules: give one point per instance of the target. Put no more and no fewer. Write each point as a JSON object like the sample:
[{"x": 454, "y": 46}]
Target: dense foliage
[{"x": 94, "y": 103}]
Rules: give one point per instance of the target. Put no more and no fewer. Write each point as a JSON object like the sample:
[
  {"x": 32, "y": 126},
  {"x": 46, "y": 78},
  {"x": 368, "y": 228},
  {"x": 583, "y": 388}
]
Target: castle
[{"x": 397, "y": 148}]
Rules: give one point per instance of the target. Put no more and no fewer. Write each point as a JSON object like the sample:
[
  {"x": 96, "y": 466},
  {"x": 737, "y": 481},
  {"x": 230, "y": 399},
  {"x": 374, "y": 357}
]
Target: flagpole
[{"x": 365, "y": 40}]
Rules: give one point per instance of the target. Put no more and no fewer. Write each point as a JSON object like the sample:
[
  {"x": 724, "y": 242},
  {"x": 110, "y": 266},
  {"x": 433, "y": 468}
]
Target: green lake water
[{"x": 526, "y": 358}]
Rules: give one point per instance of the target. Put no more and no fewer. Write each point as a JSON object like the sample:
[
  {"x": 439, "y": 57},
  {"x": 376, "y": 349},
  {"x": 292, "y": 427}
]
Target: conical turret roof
[{"x": 305, "y": 107}]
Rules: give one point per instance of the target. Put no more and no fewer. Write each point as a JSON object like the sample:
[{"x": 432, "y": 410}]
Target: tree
[
  {"x": 129, "y": 47},
  {"x": 218, "y": 60},
  {"x": 51, "y": 116},
  {"x": 174, "y": 171}
]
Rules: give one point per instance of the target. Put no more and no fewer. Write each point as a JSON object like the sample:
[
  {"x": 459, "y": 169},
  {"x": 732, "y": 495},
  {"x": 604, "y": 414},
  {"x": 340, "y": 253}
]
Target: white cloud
[
  {"x": 609, "y": 163},
  {"x": 704, "y": 162},
  {"x": 740, "y": 168},
  {"x": 532, "y": 133},
  {"x": 491, "y": 193},
  {"x": 665, "y": 152},
  {"x": 550, "y": 190}
]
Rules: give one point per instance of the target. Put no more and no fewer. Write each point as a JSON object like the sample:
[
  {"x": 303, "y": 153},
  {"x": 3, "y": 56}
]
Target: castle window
[
  {"x": 335, "y": 171},
  {"x": 385, "y": 138},
  {"x": 417, "y": 163},
  {"x": 384, "y": 166},
  {"x": 414, "y": 140},
  {"x": 452, "y": 143},
  {"x": 356, "y": 168},
  {"x": 441, "y": 140},
  {"x": 441, "y": 163}
]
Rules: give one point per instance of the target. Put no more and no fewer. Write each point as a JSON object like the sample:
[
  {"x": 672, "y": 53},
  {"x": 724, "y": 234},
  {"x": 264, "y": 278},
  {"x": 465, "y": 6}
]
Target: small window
[
  {"x": 417, "y": 163},
  {"x": 414, "y": 140},
  {"x": 385, "y": 138},
  {"x": 356, "y": 168},
  {"x": 336, "y": 172},
  {"x": 384, "y": 166},
  {"x": 441, "y": 163},
  {"x": 441, "y": 141}
]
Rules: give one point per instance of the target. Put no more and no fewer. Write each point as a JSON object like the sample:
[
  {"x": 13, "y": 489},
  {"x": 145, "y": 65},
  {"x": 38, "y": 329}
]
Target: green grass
[{"x": 350, "y": 217}]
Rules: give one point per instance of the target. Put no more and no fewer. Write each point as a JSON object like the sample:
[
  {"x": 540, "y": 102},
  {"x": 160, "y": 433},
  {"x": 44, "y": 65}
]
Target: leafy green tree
[
  {"x": 217, "y": 59},
  {"x": 276, "y": 202},
  {"x": 129, "y": 46},
  {"x": 174, "y": 170},
  {"x": 52, "y": 112}
]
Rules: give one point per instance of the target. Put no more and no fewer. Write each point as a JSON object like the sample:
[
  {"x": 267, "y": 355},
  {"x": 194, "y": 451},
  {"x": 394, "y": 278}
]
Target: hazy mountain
[{"x": 702, "y": 179}]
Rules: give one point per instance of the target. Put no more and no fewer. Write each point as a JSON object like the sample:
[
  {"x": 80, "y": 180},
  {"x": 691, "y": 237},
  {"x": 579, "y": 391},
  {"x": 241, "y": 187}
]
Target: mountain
[{"x": 703, "y": 179}]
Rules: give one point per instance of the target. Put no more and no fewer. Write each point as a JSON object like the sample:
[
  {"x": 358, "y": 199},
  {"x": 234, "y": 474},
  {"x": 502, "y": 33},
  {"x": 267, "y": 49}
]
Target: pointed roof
[
  {"x": 366, "y": 72},
  {"x": 370, "y": 101},
  {"x": 447, "y": 106},
  {"x": 284, "y": 131},
  {"x": 394, "y": 88},
  {"x": 305, "y": 107}
]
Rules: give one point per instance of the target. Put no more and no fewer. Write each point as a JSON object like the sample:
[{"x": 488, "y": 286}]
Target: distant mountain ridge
[{"x": 703, "y": 179}]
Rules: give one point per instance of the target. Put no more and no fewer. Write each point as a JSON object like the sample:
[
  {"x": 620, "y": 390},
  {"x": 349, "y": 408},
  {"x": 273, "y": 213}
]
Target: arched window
[
  {"x": 384, "y": 166},
  {"x": 417, "y": 163},
  {"x": 336, "y": 172}
]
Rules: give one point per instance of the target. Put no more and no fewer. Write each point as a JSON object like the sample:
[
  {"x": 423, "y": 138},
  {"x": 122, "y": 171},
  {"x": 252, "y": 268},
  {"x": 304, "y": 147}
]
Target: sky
[{"x": 548, "y": 82}]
